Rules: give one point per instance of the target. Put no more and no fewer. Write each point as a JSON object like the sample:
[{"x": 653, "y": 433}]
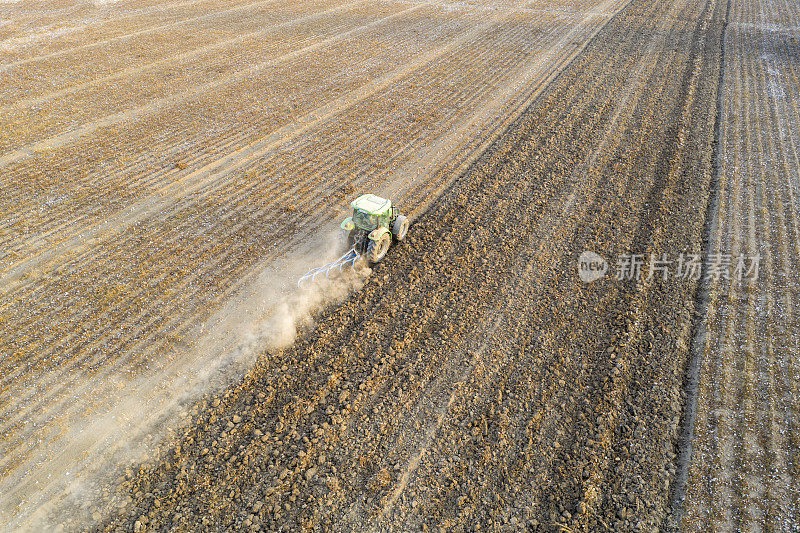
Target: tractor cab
[{"x": 371, "y": 212}]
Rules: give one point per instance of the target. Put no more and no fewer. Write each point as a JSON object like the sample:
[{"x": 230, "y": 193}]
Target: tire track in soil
[
  {"x": 18, "y": 35},
  {"x": 104, "y": 42},
  {"x": 692, "y": 380},
  {"x": 744, "y": 477},
  {"x": 88, "y": 128},
  {"x": 174, "y": 59},
  {"x": 440, "y": 415}
]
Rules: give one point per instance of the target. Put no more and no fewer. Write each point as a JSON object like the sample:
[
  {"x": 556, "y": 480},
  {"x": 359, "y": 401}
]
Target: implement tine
[{"x": 350, "y": 257}]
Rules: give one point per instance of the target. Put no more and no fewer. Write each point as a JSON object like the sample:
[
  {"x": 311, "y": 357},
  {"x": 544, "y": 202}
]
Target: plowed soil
[
  {"x": 475, "y": 381},
  {"x": 170, "y": 168},
  {"x": 745, "y": 469}
]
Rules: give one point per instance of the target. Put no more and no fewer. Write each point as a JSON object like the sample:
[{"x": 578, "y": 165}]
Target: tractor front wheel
[
  {"x": 376, "y": 250},
  {"x": 400, "y": 227}
]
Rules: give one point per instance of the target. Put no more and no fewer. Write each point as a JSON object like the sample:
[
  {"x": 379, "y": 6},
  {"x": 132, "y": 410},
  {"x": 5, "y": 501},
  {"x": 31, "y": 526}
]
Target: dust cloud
[{"x": 69, "y": 480}]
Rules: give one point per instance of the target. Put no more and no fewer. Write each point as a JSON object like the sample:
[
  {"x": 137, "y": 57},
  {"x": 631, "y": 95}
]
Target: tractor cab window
[{"x": 365, "y": 220}]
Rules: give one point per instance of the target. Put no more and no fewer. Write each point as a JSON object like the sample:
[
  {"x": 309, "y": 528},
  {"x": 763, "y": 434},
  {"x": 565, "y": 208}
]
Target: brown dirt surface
[
  {"x": 475, "y": 381},
  {"x": 744, "y": 473},
  {"x": 170, "y": 168}
]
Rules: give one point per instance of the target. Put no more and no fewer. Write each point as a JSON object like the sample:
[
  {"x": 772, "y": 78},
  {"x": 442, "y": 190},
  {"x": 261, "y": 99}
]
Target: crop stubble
[{"x": 745, "y": 469}]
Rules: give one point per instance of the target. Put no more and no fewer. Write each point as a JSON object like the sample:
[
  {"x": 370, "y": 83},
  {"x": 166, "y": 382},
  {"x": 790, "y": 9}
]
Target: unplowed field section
[
  {"x": 475, "y": 380},
  {"x": 745, "y": 469},
  {"x": 156, "y": 156}
]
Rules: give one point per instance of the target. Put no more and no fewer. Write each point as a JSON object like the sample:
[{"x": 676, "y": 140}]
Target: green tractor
[
  {"x": 373, "y": 224},
  {"x": 370, "y": 230}
]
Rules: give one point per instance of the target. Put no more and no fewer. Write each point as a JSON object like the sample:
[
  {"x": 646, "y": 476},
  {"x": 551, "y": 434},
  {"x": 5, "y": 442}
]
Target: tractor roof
[{"x": 374, "y": 205}]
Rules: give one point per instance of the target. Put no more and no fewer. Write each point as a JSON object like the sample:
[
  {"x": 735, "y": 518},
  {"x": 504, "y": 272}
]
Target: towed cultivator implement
[
  {"x": 370, "y": 231},
  {"x": 349, "y": 258}
]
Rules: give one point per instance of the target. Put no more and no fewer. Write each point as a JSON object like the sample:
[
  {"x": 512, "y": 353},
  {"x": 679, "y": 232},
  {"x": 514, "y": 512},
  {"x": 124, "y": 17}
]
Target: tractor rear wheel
[
  {"x": 376, "y": 250},
  {"x": 400, "y": 227}
]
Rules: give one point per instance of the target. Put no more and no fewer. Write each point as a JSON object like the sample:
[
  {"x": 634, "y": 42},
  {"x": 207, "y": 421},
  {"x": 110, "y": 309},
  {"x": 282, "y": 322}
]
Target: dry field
[
  {"x": 474, "y": 381},
  {"x": 745, "y": 469},
  {"x": 158, "y": 158},
  {"x": 169, "y": 168}
]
